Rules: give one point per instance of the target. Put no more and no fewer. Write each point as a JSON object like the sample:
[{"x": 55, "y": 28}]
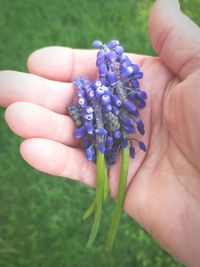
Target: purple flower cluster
[{"x": 107, "y": 113}]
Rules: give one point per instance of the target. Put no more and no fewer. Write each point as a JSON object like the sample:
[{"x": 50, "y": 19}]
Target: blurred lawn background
[{"x": 40, "y": 215}]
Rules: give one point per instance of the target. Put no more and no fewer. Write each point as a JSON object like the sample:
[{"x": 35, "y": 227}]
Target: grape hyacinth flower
[{"x": 107, "y": 116}]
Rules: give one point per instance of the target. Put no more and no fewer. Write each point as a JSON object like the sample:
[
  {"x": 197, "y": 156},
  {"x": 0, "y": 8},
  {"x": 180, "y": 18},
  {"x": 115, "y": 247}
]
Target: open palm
[{"x": 163, "y": 191}]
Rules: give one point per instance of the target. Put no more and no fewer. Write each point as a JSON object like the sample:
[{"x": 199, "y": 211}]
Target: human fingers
[
  {"x": 30, "y": 120},
  {"x": 57, "y": 159},
  {"x": 64, "y": 64},
  {"x": 17, "y": 86},
  {"x": 175, "y": 37}
]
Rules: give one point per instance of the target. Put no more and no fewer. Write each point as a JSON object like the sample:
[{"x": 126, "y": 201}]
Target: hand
[{"x": 163, "y": 191}]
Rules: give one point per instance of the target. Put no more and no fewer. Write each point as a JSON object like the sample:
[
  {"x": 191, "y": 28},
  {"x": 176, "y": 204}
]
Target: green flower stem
[
  {"x": 105, "y": 184},
  {"x": 90, "y": 210},
  {"x": 119, "y": 199},
  {"x": 99, "y": 198},
  {"x": 92, "y": 207}
]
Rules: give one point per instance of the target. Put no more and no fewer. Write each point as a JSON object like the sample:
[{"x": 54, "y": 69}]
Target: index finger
[
  {"x": 64, "y": 64},
  {"x": 56, "y": 66}
]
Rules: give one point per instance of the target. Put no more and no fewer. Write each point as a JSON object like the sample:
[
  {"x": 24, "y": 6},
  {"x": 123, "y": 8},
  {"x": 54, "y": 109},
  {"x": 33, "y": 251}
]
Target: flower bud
[
  {"x": 132, "y": 96},
  {"x": 127, "y": 121},
  {"x": 112, "y": 43},
  {"x": 116, "y": 101},
  {"x": 111, "y": 159},
  {"x": 103, "y": 81},
  {"x": 97, "y": 43},
  {"x": 101, "y": 53},
  {"x": 119, "y": 50},
  {"x": 89, "y": 127},
  {"x": 89, "y": 116},
  {"x": 112, "y": 78},
  {"x": 88, "y": 110},
  {"x": 140, "y": 126},
  {"x": 100, "y": 91},
  {"x": 82, "y": 102},
  {"x": 109, "y": 142},
  {"x": 140, "y": 103},
  {"x": 125, "y": 61},
  {"x": 80, "y": 93},
  {"x": 138, "y": 75},
  {"x": 117, "y": 134},
  {"x": 107, "y": 108},
  {"x": 101, "y": 131},
  {"x": 126, "y": 71},
  {"x": 112, "y": 56},
  {"x": 99, "y": 61},
  {"x": 102, "y": 147},
  {"x": 105, "y": 99},
  {"x": 90, "y": 153},
  {"x": 129, "y": 129},
  {"x": 86, "y": 143},
  {"x": 130, "y": 106},
  {"x": 136, "y": 68},
  {"x": 134, "y": 83},
  {"x": 103, "y": 69},
  {"x": 115, "y": 110},
  {"x": 124, "y": 142},
  {"x": 79, "y": 132},
  {"x": 132, "y": 152},
  {"x": 142, "y": 146},
  {"x": 142, "y": 94},
  {"x": 90, "y": 94}
]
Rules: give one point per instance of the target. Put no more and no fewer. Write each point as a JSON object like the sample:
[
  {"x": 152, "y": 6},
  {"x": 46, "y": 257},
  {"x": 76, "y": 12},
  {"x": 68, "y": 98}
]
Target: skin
[{"x": 163, "y": 190}]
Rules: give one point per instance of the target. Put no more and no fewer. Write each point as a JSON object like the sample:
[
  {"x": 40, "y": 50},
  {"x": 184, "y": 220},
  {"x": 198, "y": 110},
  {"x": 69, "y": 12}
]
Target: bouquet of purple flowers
[{"x": 107, "y": 118}]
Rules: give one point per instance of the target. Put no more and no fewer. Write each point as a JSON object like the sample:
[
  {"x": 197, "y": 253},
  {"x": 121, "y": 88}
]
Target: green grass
[{"x": 40, "y": 215}]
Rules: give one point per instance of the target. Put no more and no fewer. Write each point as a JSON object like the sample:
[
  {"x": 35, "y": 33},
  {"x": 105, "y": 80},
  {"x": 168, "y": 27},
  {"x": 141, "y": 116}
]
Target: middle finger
[
  {"x": 29, "y": 120},
  {"x": 17, "y": 86}
]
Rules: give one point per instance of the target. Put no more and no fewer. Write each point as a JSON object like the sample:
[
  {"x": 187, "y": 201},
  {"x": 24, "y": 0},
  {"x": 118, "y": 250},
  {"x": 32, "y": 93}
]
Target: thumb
[{"x": 175, "y": 37}]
